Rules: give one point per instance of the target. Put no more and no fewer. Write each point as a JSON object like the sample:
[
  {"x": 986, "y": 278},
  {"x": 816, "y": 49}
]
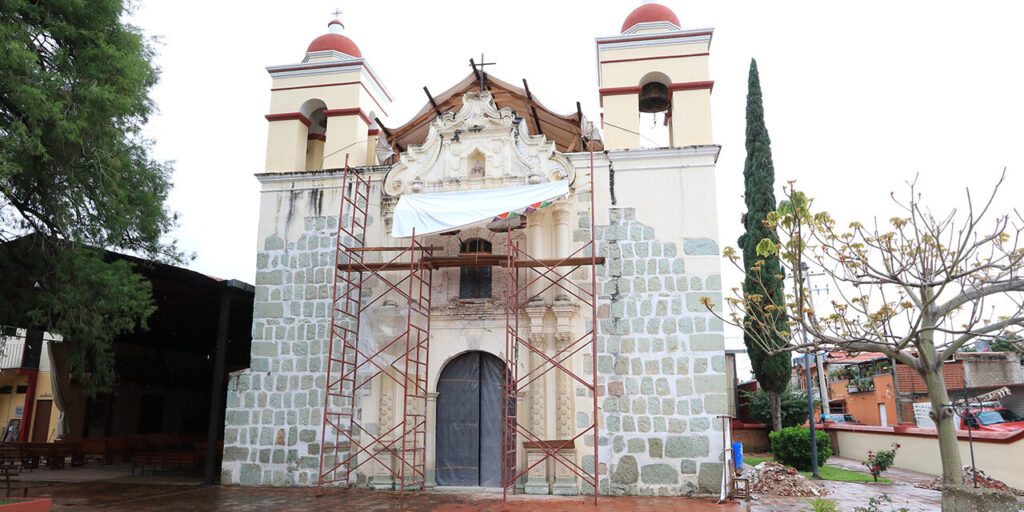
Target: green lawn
[{"x": 826, "y": 472}]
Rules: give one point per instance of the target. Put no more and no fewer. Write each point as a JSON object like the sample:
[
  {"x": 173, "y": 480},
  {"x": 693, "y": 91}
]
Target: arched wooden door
[{"x": 468, "y": 430}]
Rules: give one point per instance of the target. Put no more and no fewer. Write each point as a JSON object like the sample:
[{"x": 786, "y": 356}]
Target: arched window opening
[
  {"x": 475, "y": 282},
  {"x": 655, "y": 111}
]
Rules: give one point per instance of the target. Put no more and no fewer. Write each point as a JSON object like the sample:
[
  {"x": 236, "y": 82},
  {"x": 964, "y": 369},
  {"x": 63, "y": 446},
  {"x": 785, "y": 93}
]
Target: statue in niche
[{"x": 477, "y": 165}]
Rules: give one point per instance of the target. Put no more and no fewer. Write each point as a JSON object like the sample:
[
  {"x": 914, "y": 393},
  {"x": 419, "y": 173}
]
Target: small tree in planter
[{"x": 880, "y": 461}]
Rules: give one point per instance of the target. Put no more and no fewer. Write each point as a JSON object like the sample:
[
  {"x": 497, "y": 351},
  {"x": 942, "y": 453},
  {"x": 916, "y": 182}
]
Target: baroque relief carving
[
  {"x": 537, "y": 401},
  {"x": 564, "y": 426},
  {"x": 477, "y": 147}
]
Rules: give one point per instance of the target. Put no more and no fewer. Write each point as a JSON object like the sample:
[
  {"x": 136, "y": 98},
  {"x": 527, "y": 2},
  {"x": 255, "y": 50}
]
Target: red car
[{"x": 992, "y": 419}]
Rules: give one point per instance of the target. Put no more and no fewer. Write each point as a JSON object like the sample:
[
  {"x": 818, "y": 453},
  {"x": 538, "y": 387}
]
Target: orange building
[{"x": 860, "y": 385}]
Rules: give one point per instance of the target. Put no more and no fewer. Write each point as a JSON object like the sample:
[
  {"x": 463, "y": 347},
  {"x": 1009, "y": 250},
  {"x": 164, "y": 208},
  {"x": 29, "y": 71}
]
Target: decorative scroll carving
[{"x": 477, "y": 147}]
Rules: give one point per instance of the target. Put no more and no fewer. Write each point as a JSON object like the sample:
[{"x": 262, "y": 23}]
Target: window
[{"x": 475, "y": 282}]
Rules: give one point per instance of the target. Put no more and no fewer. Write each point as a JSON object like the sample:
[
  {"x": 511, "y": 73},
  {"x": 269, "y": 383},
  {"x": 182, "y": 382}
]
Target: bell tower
[
  {"x": 655, "y": 67},
  {"x": 325, "y": 107}
]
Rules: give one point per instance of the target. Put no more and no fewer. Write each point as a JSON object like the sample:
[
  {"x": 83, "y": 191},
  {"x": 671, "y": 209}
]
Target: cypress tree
[{"x": 763, "y": 274}]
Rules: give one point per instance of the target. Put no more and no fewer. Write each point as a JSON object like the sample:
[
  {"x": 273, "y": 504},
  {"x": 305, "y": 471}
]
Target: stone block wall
[
  {"x": 274, "y": 408},
  {"x": 661, "y": 364}
]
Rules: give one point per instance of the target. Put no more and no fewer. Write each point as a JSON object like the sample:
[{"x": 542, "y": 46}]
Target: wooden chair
[{"x": 739, "y": 486}]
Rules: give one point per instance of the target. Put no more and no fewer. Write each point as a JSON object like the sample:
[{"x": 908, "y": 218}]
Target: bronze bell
[{"x": 654, "y": 97}]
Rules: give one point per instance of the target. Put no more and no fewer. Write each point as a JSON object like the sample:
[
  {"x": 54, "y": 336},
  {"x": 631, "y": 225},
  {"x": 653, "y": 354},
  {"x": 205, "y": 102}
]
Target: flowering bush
[{"x": 881, "y": 460}]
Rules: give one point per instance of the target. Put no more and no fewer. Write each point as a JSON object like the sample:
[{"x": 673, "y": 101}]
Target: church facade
[{"x": 660, "y": 381}]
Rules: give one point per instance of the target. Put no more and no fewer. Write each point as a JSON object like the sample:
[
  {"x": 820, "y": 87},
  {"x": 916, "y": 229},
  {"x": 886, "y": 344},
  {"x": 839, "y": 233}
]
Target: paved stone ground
[
  {"x": 160, "y": 497},
  {"x": 855, "y": 494},
  {"x": 109, "y": 488}
]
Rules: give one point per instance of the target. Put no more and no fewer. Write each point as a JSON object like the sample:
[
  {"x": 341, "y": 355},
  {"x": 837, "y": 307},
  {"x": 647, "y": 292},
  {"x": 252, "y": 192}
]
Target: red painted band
[
  {"x": 312, "y": 86},
  {"x": 348, "y": 112},
  {"x": 690, "y": 86},
  {"x": 289, "y": 116},
  {"x": 317, "y": 136},
  {"x": 334, "y": 84},
  {"x": 615, "y": 91},
  {"x": 655, "y": 58},
  {"x": 373, "y": 132}
]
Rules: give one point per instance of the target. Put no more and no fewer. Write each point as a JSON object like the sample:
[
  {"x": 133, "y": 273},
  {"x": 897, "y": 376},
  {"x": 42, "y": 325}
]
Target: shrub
[
  {"x": 824, "y": 505},
  {"x": 794, "y": 408},
  {"x": 875, "y": 505},
  {"x": 881, "y": 460},
  {"x": 792, "y": 447}
]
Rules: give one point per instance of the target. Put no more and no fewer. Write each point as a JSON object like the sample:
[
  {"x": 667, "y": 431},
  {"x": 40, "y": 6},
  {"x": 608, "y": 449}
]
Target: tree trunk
[
  {"x": 775, "y": 402},
  {"x": 949, "y": 452}
]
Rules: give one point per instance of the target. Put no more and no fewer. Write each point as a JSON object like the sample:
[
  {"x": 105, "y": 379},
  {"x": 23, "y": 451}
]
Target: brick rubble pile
[
  {"x": 774, "y": 479},
  {"x": 983, "y": 481}
]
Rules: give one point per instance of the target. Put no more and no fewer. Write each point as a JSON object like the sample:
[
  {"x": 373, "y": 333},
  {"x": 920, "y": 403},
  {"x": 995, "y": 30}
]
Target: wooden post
[{"x": 217, "y": 388}]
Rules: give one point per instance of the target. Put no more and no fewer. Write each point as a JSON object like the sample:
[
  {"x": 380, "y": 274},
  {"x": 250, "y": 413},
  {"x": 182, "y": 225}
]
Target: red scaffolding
[
  {"x": 528, "y": 279},
  {"x": 401, "y": 448}
]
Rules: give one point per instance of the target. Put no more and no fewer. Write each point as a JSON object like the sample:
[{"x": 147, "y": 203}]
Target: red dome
[
  {"x": 650, "y": 12},
  {"x": 336, "y": 42}
]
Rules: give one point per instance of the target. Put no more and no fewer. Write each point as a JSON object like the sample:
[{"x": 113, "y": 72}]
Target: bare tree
[{"x": 916, "y": 288}]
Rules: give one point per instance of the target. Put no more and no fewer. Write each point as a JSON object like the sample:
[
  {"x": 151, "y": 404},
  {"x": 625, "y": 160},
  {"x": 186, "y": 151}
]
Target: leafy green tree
[
  {"x": 793, "y": 408},
  {"x": 763, "y": 274},
  {"x": 76, "y": 171},
  {"x": 1008, "y": 342}
]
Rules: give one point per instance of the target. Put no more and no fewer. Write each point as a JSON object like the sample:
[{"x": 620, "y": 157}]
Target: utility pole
[{"x": 805, "y": 276}]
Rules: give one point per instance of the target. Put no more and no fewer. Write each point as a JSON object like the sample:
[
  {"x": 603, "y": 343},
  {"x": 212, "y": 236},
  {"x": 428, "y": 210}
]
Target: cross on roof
[
  {"x": 481, "y": 73},
  {"x": 337, "y": 17}
]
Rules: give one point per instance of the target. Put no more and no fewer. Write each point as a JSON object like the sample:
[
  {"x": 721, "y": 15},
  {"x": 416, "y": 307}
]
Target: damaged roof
[{"x": 565, "y": 131}]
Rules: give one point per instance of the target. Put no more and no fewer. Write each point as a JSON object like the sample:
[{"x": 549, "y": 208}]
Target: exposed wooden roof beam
[{"x": 432, "y": 102}]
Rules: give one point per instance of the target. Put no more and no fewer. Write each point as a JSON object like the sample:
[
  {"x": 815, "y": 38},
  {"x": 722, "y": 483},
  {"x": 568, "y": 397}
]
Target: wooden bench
[{"x": 162, "y": 461}]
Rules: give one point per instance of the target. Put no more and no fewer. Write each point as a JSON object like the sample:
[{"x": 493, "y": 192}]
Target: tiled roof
[{"x": 861, "y": 357}]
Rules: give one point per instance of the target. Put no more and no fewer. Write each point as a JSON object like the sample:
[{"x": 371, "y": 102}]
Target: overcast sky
[{"x": 859, "y": 97}]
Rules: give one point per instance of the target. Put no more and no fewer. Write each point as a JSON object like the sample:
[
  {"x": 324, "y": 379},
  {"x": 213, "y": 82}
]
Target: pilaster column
[
  {"x": 537, "y": 477},
  {"x": 382, "y": 478},
  {"x": 536, "y": 388},
  {"x": 535, "y": 247},
  {"x": 430, "y": 480},
  {"x": 562, "y": 238},
  {"x": 565, "y": 479},
  {"x": 563, "y": 425}
]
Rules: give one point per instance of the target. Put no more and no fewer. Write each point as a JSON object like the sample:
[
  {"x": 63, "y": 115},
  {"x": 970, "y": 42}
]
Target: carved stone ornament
[{"x": 477, "y": 147}]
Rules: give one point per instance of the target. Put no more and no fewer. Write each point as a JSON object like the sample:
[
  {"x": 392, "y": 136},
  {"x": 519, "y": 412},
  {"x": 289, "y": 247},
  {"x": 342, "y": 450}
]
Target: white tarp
[{"x": 445, "y": 211}]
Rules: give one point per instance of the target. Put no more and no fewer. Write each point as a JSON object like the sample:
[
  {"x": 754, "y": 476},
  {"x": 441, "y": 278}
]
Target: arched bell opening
[
  {"x": 655, "y": 110},
  {"x": 316, "y": 134}
]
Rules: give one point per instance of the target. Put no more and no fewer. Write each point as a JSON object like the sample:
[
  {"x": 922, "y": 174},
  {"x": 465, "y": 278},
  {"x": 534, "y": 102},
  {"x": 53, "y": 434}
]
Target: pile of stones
[
  {"x": 984, "y": 481},
  {"x": 774, "y": 479}
]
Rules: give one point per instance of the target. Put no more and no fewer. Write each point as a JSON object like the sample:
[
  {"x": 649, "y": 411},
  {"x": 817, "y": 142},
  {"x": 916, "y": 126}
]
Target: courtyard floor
[{"x": 111, "y": 488}]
